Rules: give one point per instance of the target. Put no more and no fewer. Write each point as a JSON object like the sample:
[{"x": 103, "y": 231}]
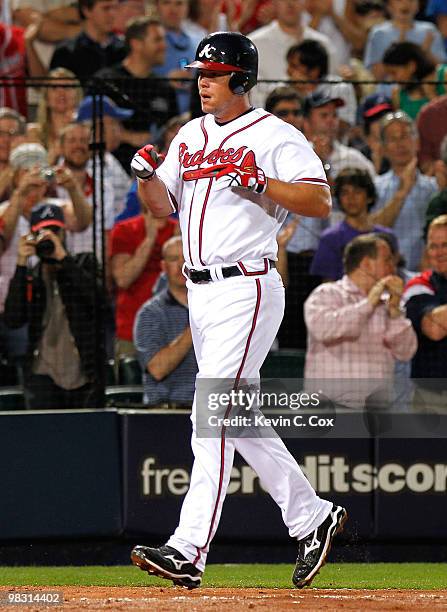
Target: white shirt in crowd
[{"x": 272, "y": 44}]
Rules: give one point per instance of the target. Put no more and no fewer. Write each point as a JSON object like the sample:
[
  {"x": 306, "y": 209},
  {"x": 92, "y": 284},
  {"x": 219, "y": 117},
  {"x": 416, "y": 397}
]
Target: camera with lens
[
  {"x": 48, "y": 174},
  {"x": 44, "y": 246}
]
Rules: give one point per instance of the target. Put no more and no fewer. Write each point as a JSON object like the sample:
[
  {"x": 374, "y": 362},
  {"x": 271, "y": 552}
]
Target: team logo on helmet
[
  {"x": 207, "y": 51},
  {"x": 229, "y": 52}
]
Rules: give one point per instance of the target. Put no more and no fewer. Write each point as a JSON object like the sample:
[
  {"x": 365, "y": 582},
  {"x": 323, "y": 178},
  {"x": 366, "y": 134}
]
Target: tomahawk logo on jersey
[
  {"x": 246, "y": 175},
  {"x": 219, "y": 157}
]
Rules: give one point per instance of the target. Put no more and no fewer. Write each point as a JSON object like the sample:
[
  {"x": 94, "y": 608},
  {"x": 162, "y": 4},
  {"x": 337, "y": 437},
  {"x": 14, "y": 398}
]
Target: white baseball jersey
[{"x": 223, "y": 225}]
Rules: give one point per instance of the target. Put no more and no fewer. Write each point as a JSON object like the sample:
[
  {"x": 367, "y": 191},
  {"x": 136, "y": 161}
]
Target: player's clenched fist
[
  {"x": 145, "y": 161},
  {"x": 253, "y": 180},
  {"x": 246, "y": 176}
]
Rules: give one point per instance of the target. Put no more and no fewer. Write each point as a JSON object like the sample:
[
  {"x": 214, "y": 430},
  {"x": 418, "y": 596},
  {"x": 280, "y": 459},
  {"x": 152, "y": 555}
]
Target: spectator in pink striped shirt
[{"x": 356, "y": 328}]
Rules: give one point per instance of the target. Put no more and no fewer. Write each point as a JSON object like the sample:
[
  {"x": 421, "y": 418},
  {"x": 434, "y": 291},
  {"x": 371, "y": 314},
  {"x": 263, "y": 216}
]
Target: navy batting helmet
[{"x": 229, "y": 52}]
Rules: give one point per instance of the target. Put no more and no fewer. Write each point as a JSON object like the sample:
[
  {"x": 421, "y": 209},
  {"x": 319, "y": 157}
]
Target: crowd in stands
[{"x": 366, "y": 289}]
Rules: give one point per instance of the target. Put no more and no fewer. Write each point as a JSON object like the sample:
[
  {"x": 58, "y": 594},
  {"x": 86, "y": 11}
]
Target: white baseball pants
[{"x": 234, "y": 323}]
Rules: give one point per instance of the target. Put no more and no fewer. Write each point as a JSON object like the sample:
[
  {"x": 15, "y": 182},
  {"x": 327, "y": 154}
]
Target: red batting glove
[
  {"x": 144, "y": 163},
  {"x": 253, "y": 179},
  {"x": 246, "y": 176}
]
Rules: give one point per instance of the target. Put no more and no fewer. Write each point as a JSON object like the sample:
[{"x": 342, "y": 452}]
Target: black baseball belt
[{"x": 204, "y": 275}]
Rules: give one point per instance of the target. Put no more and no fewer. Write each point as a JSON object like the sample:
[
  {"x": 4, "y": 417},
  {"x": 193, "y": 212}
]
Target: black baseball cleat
[
  {"x": 313, "y": 550},
  {"x": 168, "y": 563}
]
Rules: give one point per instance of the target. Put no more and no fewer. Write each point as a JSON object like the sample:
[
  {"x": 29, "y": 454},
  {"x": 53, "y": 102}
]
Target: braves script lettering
[{"x": 222, "y": 156}]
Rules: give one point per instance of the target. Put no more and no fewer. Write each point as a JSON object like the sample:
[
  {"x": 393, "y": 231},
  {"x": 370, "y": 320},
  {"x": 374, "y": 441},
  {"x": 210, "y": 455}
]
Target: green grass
[{"x": 344, "y": 575}]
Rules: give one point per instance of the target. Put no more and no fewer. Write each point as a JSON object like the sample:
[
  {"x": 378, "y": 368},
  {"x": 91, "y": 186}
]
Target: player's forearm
[
  {"x": 169, "y": 357},
  {"x": 154, "y": 195},
  {"x": 301, "y": 198}
]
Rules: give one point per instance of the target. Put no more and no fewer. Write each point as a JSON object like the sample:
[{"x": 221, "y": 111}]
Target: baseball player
[{"x": 232, "y": 175}]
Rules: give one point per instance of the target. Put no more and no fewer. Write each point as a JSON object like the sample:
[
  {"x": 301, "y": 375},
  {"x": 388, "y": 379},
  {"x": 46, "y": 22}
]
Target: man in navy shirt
[{"x": 162, "y": 337}]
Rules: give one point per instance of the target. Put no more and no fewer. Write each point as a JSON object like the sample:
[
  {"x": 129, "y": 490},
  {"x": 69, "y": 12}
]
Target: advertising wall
[
  {"x": 60, "y": 475},
  {"x": 387, "y": 484},
  {"x": 109, "y": 473}
]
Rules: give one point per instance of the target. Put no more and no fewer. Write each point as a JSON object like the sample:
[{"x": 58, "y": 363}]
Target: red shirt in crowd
[
  {"x": 432, "y": 127},
  {"x": 12, "y": 64},
  {"x": 126, "y": 237}
]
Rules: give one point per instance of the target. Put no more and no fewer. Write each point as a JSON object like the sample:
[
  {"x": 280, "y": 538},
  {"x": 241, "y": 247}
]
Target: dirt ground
[{"x": 176, "y": 599}]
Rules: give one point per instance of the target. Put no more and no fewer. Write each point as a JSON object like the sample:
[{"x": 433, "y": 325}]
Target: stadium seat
[
  {"x": 8, "y": 374},
  {"x": 124, "y": 396},
  {"x": 12, "y": 398},
  {"x": 110, "y": 373},
  {"x": 129, "y": 371},
  {"x": 284, "y": 363}
]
